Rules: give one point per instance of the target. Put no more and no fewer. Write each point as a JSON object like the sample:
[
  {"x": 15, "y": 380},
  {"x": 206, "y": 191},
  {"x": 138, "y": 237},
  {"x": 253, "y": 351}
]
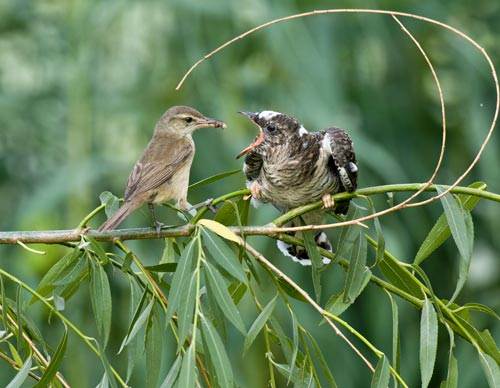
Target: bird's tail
[
  {"x": 117, "y": 218},
  {"x": 299, "y": 254}
]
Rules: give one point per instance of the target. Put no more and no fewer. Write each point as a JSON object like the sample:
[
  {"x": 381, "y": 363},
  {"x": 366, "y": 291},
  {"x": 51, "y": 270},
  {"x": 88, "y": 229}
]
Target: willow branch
[{"x": 74, "y": 235}]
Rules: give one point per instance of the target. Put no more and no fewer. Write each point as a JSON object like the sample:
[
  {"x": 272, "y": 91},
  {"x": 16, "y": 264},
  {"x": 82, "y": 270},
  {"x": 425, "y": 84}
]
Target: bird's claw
[
  {"x": 207, "y": 203},
  {"x": 328, "y": 201},
  {"x": 158, "y": 226},
  {"x": 255, "y": 190}
]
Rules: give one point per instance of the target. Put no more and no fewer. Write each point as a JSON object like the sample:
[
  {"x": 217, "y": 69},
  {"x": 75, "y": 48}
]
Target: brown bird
[
  {"x": 289, "y": 166},
  {"x": 162, "y": 172}
]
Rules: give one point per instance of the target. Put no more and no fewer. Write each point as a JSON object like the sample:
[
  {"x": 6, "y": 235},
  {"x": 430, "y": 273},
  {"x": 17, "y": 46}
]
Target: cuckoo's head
[
  {"x": 274, "y": 128},
  {"x": 184, "y": 120}
]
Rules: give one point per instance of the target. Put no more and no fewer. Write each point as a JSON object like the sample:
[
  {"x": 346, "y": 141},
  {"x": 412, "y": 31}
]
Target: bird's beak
[
  {"x": 258, "y": 140},
  {"x": 212, "y": 123}
]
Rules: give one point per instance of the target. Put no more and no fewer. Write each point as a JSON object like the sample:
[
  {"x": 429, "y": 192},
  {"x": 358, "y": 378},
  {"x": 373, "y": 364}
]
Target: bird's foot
[
  {"x": 158, "y": 226},
  {"x": 255, "y": 190},
  {"x": 328, "y": 201},
  {"x": 208, "y": 203}
]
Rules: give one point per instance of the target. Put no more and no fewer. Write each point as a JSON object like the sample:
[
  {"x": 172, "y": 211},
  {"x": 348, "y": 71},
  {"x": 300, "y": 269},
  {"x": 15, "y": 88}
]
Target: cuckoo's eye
[
  {"x": 188, "y": 119},
  {"x": 271, "y": 128}
]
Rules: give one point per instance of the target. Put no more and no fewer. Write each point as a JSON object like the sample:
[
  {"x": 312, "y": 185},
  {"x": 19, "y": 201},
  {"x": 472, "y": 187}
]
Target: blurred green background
[{"x": 82, "y": 84}]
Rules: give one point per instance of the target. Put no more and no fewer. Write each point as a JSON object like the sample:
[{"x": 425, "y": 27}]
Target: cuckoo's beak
[{"x": 258, "y": 140}]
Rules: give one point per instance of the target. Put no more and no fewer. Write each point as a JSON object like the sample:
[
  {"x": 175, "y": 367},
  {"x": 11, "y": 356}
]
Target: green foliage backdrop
[{"x": 81, "y": 86}]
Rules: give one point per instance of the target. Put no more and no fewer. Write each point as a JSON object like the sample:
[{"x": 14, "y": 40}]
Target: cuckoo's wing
[
  {"x": 150, "y": 173},
  {"x": 252, "y": 166},
  {"x": 343, "y": 158}
]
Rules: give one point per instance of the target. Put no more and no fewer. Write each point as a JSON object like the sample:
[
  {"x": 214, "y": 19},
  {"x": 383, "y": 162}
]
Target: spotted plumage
[{"x": 289, "y": 166}]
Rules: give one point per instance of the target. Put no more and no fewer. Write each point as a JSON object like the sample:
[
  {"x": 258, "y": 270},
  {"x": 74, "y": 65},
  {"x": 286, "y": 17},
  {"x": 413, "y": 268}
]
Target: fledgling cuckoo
[
  {"x": 288, "y": 166},
  {"x": 162, "y": 172}
]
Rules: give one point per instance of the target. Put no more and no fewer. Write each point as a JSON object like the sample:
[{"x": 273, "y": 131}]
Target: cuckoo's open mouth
[{"x": 258, "y": 139}]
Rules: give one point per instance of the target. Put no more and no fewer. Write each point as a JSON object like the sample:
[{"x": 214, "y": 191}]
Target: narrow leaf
[
  {"x": 217, "y": 353},
  {"x": 316, "y": 261},
  {"x": 186, "y": 309},
  {"x": 110, "y": 201},
  {"x": 100, "y": 297},
  {"x": 490, "y": 369},
  {"x": 220, "y": 229},
  {"x": 165, "y": 267},
  {"x": 382, "y": 374},
  {"x": 136, "y": 325},
  {"x": 258, "y": 324},
  {"x": 460, "y": 223},
  {"x": 187, "y": 375},
  {"x": 55, "y": 361},
  {"x": 357, "y": 273},
  {"x": 223, "y": 255},
  {"x": 21, "y": 376},
  {"x": 181, "y": 278},
  {"x": 217, "y": 285},
  {"x": 172, "y": 373},
  {"x": 428, "y": 341},
  {"x": 440, "y": 232},
  {"x": 154, "y": 346},
  {"x": 213, "y": 178}
]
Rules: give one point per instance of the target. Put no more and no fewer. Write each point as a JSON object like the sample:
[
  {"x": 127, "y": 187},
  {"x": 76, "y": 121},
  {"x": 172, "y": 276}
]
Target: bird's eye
[
  {"x": 188, "y": 119},
  {"x": 271, "y": 128}
]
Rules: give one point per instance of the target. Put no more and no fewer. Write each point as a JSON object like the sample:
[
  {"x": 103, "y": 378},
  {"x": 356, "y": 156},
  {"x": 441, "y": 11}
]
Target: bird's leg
[
  {"x": 255, "y": 190},
  {"x": 156, "y": 224},
  {"x": 208, "y": 203},
  {"x": 328, "y": 202}
]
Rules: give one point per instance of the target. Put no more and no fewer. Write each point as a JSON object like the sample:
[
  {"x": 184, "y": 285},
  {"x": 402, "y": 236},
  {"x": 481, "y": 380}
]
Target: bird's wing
[
  {"x": 252, "y": 165},
  {"x": 343, "y": 159},
  {"x": 150, "y": 173}
]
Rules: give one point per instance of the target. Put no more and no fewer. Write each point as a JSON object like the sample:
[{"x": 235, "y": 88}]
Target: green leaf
[
  {"x": 289, "y": 290},
  {"x": 55, "y": 361},
  {"x": 213, "y": 178},
  {"x": 296, "y": 376},
  {"x": 98, "y": 250},
  {"x": 217, "y": 353},
  {"x": 74, "y": 273},
  {"x": 217, "y": 286},
  {"x": 181, "y": 278},
  {"x": 100, "y": 297},
  {"x": 258, "y": 324},
  {"x": 137, "y": 324},
  {"x": 56, "y": 272},
  {"x": 186, "y": 309},
  {"x": 165, "y": 267},
  {"x": 316, "y": 261},
  {"x": 490, "y": 369},
  {"x": 172, "y": 373},
  {"x": 440, "y": 232},
  {"x": 110, "y": 201},
  {"x": 295, "y": 331},
  {"x": 357, "y": 274},
  {"x": 237, "y": 290},
  {"x": 21, "y": 376},
  {"x": 399, "y": 276},
  {"x": 319, "y": 357},
  {"x": 462, "y": 230},
  {"x": 428, "y": 341},
  {"x": 478, "y": 307},
  {"x": 395, "y": 335},
  {"x": 154, "y": 346},
  {"x": 187, "y": 377},
  {"x": 223, "y": 255},
  {"x": 452, "y": 377},
  {"x": 127, "y": 261},
  {"x": 382, "y": 374}
]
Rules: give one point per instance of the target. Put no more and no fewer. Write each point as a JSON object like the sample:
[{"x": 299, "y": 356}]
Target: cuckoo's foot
[
  {"x": 255, "y": 190},
  {"x": 328, "y": 202}
]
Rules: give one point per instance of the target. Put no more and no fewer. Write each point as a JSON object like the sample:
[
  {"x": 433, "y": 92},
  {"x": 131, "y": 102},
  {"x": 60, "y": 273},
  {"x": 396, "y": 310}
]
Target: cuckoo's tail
[
  {"x": 299, "y": 254},
  {"x": 117, "y": 218}
]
